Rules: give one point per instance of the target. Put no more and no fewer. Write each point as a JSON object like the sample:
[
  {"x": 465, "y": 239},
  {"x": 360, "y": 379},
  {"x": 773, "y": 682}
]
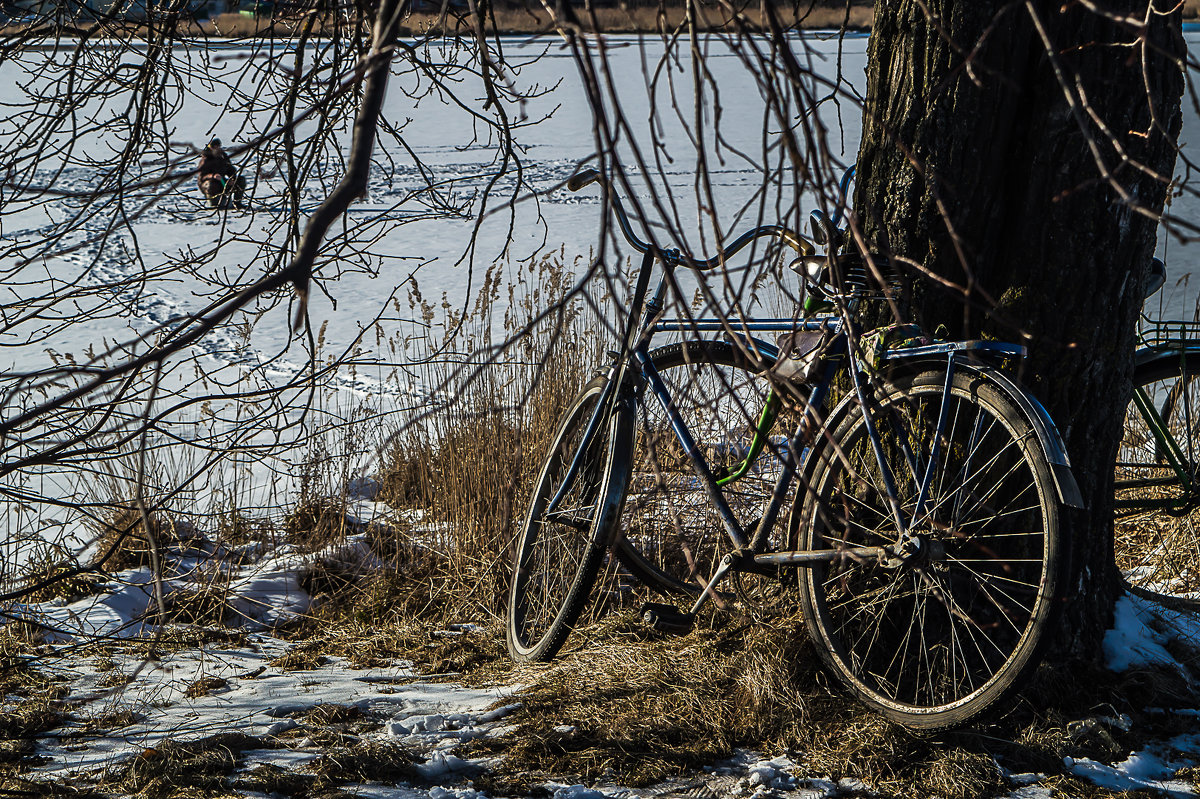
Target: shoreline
[
  {"x": 508, "y": 20},
  {"x": 520, "y": 20}
]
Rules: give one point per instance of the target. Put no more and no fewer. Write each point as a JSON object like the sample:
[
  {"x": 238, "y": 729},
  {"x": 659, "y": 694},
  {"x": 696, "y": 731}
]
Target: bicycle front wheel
[
  {"x": 559, "y": 552},
  {"x": 1156, "y": 545},
  {"x": 670, "y": 537},
  {"x": 936, "y": 636}
]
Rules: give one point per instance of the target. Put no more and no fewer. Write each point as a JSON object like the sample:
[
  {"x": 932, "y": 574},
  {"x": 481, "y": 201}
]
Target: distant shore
[
  {"x": 524, "y": 17},
  {"x": 511, "y": 17},
  {"x": 534, "y": 19}
]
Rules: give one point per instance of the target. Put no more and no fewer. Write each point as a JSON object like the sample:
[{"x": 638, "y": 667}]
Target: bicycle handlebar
[
  {"x": 581, "y": 179},
  {"x": 790, "y": 237}
]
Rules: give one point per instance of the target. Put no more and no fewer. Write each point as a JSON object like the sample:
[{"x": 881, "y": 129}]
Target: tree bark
[{"x": 1020, "y": 153}]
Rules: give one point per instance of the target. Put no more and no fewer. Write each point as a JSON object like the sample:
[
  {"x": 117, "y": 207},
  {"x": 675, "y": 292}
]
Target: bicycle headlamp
[{"x": 809, "y": 269}]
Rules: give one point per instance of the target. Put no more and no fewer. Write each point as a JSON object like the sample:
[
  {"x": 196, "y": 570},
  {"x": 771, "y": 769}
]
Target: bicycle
[
  {"x": 1157, "y": 475},
  {"x": 924, "y": 546}
]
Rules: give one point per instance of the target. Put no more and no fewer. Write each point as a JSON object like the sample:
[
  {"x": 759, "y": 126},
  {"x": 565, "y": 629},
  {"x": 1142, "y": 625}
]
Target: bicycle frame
[
  {"x": 625, "y": 386},
  {"x": 749, "y": 549},
  {"x": 1176, "y": 459}
]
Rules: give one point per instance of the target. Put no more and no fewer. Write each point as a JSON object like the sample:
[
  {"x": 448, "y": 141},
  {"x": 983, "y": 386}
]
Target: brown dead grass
[
  {"x": 643, "y": 707},
  {"x": 174, "y": 767},
  {"x": 20, "y": 653},
  {"x": 23, "y": 786},
  {"x": 634, "y": 708},
  {"x": 316, "y": 523},
  {"x": 56, "y": 575},
  {"x": 123, "y": 540},
  {"x": 30, "y": 717},
  {"x": 365, "y": 761}
]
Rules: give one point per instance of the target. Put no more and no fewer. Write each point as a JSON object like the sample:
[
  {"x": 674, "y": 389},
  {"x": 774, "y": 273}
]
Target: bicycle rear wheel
[
  {"x": 559, "y": 553},
  {"x": 935, "y": 638},
  {"x": 1156, "y": 544},
  {"x": 670, "y": 537}
]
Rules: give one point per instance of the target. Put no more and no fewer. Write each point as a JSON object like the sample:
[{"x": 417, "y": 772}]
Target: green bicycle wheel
[
  {"x": 935, "y": 638},
  {"x": 1156, "y": 544},
  {"x": 558, "y": 554}
]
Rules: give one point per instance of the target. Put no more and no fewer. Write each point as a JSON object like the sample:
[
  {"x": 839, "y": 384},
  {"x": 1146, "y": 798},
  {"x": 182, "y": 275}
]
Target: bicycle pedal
[{"x": 667, "y": 619}]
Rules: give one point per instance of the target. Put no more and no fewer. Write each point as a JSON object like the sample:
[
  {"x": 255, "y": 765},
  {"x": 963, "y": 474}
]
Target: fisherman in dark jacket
[{"x": 218, "y": 177}]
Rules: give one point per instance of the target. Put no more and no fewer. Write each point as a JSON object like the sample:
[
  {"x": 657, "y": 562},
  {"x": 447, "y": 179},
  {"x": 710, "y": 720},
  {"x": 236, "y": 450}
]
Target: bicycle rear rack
[{"x": 1166, "y": 333}]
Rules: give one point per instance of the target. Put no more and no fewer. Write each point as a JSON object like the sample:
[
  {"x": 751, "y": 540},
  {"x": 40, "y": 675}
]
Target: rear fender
[{"x": 1034, "y": 412}]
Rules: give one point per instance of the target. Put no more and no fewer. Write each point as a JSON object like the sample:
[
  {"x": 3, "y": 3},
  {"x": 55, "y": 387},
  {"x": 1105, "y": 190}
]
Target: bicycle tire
[
  {"x": 670, "y": 537},
  {"x": 1156, "y": 545},
  {"x": 937, "y": 640},
  {"x": 556, "y": 560}
]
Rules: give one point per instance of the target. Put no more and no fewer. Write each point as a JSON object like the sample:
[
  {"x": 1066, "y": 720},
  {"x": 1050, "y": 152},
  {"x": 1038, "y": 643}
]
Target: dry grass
[
  {"x": 107, "y": 721},
  {"x": 276, "y": 781},
  {"x": 316, "y": 523},
  {"x": 19, "y": 657},
  {"x": 55, "y": 574},
  {"x": 641, "y": 707},
  {"x": 123, "y": 540},
  {"x": 302, "y": 657},
  {"x": 634, "y": 708},
  {"x": 429, "y": 648},
  {"x": 1162, "y": 550},
  {"x": 365, "y": 761},
  {"x": 20, "y": 786},
  {"x": 174, "y": 767},
  {"x": 31, "y": 717},
  {"x": 205, "y": 686},
  {"x": 177, "y": 637}
]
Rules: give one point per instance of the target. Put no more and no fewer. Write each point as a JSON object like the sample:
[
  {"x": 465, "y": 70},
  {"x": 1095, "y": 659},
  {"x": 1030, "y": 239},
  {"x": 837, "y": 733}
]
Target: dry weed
[
  {"x": 174, "y": 767},
  {"x": 54, "y": 574},
  {"x": 177, "y": 637},
  {"x": 205, "y": 686},
  {"x": 316, "y": 523},
  {"x": 234, "y": 527},
  {"x": 19, "y": 751},
  {"x": 372, "y": 761},
  {"x": 271, "y": 779},
  {"x": 123, "y": 540},
  {"x": 19, "y": 655},
  {"x": 640, "y": 713},
  {"x": 324, "y": 715},
  {"x": 208, "y": 603},
  {"x": 18, "y": 786},
  {"x": 481, "y": 653},
  {"x": 30, "y": 717},
  {"x": 302, "y": 657},
  {"x": 107, "y": 721},
  {"x": 113, "y": 679}
]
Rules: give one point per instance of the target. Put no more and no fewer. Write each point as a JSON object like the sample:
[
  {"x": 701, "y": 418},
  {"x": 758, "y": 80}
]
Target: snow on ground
[{"x": 222, "y": 687}]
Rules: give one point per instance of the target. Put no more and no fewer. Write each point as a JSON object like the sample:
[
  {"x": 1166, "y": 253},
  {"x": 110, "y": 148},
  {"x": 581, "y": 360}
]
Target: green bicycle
[{"x": 1157, "y": 545}]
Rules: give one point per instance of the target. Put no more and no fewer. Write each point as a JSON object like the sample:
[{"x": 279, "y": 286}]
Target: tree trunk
[{"x": 1021, "y": 152}]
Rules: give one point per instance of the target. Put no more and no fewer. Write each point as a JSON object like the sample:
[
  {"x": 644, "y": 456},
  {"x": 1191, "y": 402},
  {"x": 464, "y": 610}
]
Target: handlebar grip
[{"x": 581, "y": 179}]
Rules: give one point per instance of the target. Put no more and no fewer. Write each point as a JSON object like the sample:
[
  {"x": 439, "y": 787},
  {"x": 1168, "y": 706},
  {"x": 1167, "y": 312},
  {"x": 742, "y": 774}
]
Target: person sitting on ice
[{"x": 219, "y": 180}]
